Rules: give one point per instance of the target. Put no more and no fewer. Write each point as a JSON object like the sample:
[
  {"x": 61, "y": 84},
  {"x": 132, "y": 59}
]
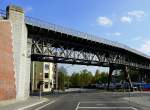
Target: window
[
  {"x": 46, "y": 75},
  {"x": 54, "y": 81},
  {"x": 46, "y": 85},
  {"x": 46, "y": 67}
]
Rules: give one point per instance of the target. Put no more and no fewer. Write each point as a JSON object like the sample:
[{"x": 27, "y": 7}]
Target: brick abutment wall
[
  {"x": 14, "y": 60},
  {"x": 7, "y": 73}
]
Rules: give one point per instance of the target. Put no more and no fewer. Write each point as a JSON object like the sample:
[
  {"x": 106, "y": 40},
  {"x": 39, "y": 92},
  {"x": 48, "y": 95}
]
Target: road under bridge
[{"x": 36, "y": 40}]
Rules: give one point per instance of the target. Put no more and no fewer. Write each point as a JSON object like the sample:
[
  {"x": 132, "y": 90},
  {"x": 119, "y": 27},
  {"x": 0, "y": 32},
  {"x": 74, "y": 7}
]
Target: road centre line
[{"x": 98, "y": 104}]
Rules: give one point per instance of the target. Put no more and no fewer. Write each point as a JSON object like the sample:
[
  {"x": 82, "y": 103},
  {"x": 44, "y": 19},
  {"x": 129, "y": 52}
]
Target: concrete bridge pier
[
  {"x": 125, "y": 71},
  {"x": 111, "y": 69},
  {"x": 21, "y": 59},
  {"x": 127, "y": 76}
]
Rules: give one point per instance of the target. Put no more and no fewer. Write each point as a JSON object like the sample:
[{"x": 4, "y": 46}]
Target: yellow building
[{"x": 43, "y": 72}]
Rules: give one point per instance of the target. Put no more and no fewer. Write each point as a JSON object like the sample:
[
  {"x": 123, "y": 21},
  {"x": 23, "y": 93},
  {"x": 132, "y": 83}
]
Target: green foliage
[
  {"x": 82, "y": 79},
  {"x": 97, "y": 76},
  {"x": 147, "y": 80},
  {"x": 104, "y": 77},
  {"x": 134, "y": 75},
  {"x": 62, "y": 77},
  {"x": 75, "y": 79},
  {"x": 85, "y": 78}
]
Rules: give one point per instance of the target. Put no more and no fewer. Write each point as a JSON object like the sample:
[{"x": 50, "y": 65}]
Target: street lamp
[{"x": 41, "y": 83}]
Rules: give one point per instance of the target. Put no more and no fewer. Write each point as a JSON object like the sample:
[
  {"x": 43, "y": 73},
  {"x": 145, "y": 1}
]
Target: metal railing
[
  {"x": 61, "y": 29},
  {"x": 2, "y": 13}
]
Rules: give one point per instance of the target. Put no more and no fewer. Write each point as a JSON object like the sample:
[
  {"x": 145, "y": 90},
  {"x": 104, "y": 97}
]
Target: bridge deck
[{"x": 81, "y": 35}]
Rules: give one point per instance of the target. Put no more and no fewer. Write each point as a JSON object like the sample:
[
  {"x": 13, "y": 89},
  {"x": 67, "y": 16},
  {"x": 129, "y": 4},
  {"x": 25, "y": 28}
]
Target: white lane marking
[
  {"x": 108, "y": 108},
  {"x": 77, "y": 106},
  {"x": 45, "y": 105},
  {"x": 103, "y": 102},
  {"x": 32, "y": 105},
  {"x": 99, "y": 104}
]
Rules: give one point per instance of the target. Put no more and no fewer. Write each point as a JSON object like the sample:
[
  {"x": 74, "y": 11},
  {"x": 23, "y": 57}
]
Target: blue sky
[{"x": 124, "y": 21}]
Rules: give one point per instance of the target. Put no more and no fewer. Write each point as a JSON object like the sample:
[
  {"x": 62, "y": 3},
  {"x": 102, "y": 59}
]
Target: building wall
[
  {"x": 16, "y": 49},
  {"x": 7, "y": 78},
  {"x": 50, "y": 78},
  {"x": 42, "y": 71},
  {"x": 37, "y": 73}
]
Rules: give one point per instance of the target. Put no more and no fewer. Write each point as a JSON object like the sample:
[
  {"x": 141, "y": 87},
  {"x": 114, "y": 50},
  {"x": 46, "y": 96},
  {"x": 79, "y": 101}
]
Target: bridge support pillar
[
  {"x": 22, "y": 64},
  {"x": 111, "y": 69},
  {"x": 56, "y": 75},
  {"x": 127, "y": 76}
]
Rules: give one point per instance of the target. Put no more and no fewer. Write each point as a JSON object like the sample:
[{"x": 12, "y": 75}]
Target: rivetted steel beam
[{"x": 58, "y": 50}]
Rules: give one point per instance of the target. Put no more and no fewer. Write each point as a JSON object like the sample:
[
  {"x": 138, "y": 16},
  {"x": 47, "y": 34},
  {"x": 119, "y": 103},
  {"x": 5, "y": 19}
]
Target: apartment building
[{"x": 43, "y": 72}]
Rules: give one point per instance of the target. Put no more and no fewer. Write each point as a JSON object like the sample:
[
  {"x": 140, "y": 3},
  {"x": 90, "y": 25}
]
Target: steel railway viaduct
[{"x": 35, "y": 40}]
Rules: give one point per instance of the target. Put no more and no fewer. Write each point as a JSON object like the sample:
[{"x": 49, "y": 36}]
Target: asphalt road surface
[{"x": 89, "y": 101}]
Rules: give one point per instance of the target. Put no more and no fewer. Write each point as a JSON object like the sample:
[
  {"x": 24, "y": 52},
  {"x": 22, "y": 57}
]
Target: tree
[
  {"x": 67, "y": 81},
  {"x": 85, "y": 78},
  {"x": 82, "y": 79},
  {"x": 75, "y": 80},
  {"x": 104, "y": 77},
  {"x": 62, "y": 77},
  {"x": 134, "y": 75},
  {"x": 97, "y": 76}
]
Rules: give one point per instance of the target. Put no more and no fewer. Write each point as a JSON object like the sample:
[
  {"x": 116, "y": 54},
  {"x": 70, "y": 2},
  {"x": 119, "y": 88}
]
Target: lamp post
[{"x": 41, "y": 83}]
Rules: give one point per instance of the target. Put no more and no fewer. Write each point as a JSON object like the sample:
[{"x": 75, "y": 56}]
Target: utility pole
[{"x": 56, "y": 75}]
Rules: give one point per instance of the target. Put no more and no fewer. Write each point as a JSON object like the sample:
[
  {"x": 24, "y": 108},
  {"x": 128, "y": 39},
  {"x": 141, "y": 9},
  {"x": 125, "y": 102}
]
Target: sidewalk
[
  {"x": 17, "y": 105},
  {"x": 143, "y": 99}
]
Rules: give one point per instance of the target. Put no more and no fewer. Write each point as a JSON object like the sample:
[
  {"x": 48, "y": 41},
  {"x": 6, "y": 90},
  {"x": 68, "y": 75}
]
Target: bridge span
[
  {"x": 36, "y": 40},
  {"x": 55, "y": 43}
]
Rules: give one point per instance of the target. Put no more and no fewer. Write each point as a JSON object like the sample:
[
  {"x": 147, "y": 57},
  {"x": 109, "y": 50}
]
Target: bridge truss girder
[{"x": 59, "y": 51}]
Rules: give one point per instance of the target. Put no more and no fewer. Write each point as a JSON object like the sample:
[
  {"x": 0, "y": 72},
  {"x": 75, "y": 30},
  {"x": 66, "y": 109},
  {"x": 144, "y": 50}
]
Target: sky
[{"x": 124, "y": 21}]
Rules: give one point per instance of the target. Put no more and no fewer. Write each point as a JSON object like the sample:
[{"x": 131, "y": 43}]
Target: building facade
[{"x": 42, "y": 76}]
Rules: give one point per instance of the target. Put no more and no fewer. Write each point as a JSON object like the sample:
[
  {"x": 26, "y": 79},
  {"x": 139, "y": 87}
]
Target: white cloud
[
  {"x": 105, "y": 21},
  {"x": 126, "y": 19},
  {"x": 145, "y": 47},
  {"x": 138, "y": 38},
  {"x": 137, "y": 13},
  {"x": 113, "y": 34},
  {"x": 28, "y": 9},
  {"x": 132, "y": 16},
  {"x": 117, "y": 34}
]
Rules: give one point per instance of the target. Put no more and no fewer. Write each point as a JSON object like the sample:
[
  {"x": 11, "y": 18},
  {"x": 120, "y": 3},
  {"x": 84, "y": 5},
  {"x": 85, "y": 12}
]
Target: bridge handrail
[
  {"x": 2, "y": 13},
  {"x": 44, "y": 24}
]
